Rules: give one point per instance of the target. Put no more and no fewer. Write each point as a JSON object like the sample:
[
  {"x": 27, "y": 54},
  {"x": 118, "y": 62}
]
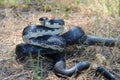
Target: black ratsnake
[{"x": 52, "y": 44}]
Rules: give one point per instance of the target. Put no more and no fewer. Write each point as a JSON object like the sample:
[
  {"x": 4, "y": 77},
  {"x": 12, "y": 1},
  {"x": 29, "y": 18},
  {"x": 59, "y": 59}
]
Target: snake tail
[
  {"x": 100, "y": 41},
  {"x": 106, "y": 73}
]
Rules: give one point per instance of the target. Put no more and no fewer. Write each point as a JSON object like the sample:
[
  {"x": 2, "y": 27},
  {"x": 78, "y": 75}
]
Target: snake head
[
  {"x": 43, "y": 20},
  {"x": 55, "y": 23}
]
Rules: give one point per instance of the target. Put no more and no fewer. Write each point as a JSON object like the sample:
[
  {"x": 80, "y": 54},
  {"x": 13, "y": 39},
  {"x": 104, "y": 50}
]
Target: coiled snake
[{"x": 48, "y": 40}]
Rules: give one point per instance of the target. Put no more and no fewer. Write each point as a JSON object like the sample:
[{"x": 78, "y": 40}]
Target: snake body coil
[
  {"x": 47, "y": 39},
  {"x": 45, "y": 35}
]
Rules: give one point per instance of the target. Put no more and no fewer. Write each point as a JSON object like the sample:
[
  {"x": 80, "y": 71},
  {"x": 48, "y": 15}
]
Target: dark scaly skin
[
  {"x": 73, "y": 36},
  {"x": 100, "y": 41},
  {"x": 106, "y": 73},
  {"x": 25, "y": 50},
  {"x": 76, "y": 36},
  {"x": 60, "y": 66},
  {"x": 43, "y": 36}
]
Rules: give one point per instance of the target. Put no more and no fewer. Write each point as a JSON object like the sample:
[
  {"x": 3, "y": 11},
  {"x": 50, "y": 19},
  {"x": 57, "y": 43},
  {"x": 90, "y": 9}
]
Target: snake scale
[{"x": 48, "y": 39}]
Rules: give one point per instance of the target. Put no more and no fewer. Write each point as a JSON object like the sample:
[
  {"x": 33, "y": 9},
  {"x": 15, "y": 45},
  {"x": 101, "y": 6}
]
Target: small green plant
[
  {"x": 36, "y": 67},
  {"x": 13, "y": 2},
  {"x": 3, "y": 2},
  {"x": 27, "y": 1},
  {"x": 47, "y": 8},
  {"x": 95, "y": 3},
  {"x": 66, "y": 13},
  {"x": 77, "y": 2},
  {"x": 85, "y": 2}
]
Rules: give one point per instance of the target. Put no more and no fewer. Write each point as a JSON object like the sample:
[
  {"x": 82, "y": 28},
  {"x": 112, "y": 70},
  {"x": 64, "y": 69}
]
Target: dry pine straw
[{"x": 10, "y": 35}]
